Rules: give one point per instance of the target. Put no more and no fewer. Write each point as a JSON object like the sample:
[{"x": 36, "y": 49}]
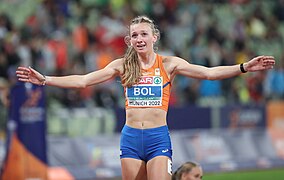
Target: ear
[
  {"x": 155, "y": 38},
  {"x": 127, "y": 41},
  {"x": 184, "y": 175}
]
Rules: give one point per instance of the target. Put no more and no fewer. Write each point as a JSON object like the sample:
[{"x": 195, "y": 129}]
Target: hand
[
  {"x": 30, "y": 75},
  {"x": 259, "y": 63}
]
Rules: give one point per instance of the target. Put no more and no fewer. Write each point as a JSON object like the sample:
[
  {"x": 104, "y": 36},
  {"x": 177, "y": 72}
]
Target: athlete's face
[
  {"x": 195, "y": 174},
  {"x": 142, "y": 37}
]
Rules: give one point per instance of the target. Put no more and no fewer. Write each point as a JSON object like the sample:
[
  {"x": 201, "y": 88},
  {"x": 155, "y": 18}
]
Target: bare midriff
[{"x": 145, "y": 118}]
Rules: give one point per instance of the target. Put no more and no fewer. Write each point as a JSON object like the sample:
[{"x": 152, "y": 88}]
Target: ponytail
[{"x": 131, "y": 68}]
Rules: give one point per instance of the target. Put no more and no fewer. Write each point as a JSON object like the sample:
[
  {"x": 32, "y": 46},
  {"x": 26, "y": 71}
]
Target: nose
[{"x": 139, "y": 38}]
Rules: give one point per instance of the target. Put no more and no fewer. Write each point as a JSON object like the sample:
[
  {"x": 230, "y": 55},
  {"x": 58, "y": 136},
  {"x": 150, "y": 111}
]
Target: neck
[{"x": 147, "y": 60}]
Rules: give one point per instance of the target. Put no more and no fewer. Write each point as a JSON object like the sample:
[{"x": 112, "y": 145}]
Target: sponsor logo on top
[{"x": 150, "y": 80}]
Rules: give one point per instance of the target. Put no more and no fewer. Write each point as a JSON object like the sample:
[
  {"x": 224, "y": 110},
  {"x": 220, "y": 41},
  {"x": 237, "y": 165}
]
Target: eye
[
  {"x": 144, "y": 34},
  {"x": 134, "y": 35}
]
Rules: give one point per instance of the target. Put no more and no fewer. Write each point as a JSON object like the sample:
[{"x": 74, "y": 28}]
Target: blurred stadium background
[{"x": 233, "y": 127}]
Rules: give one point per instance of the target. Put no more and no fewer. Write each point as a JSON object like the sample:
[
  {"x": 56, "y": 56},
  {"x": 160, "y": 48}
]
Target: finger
[
  {"x": 268, "y": 57},
  {"x": 258, "y": 58},
  {"x": 23, "y": 68},
  {"x": 24, "y": 79},
  {"x": 19, "y": 72},
  {"x": 22, "y": 76},
  {"x": 268, "y": 65},
  {"x": 24, "y": 73},
  {"x": 32, "y": 70},
  {"x": 269, "y": 62}
]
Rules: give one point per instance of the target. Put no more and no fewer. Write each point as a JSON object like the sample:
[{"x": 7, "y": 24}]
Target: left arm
[{"x": 182, "y": 67}]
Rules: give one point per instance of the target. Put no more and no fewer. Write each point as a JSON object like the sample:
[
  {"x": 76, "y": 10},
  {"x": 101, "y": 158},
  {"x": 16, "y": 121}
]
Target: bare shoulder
[
  {"x": 171, "y": 59},
  {"x": 117, "y": 65},
  {"x": 171, "y": 63},
  {"x": 118, "y": 61}
]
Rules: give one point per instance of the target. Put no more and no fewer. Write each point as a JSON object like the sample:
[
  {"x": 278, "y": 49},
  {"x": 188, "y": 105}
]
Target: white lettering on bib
[{"x": 148, "y": 93}]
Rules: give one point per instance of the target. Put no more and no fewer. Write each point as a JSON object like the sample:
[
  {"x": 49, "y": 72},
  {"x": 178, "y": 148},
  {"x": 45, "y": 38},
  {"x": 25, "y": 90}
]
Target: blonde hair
[
  {"x": 184, "y": 168},
  {"x": 131, "y": 65}
]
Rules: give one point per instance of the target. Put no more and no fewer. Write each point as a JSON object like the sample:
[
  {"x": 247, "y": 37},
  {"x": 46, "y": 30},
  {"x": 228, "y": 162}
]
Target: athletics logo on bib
[{"x": 148, "y": 93}]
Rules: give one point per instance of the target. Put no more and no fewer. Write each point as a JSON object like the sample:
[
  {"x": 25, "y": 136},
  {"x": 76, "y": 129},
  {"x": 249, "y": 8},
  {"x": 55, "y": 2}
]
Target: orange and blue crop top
[{"x": 153, "y": 89}]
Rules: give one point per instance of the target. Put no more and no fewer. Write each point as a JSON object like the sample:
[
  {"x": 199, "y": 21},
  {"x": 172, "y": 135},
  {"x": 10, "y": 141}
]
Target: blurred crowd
[{"x": 61, "y": 37}]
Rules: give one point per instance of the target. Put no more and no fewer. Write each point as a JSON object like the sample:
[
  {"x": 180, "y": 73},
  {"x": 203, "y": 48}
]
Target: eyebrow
[{"x": 139, "y": 31}]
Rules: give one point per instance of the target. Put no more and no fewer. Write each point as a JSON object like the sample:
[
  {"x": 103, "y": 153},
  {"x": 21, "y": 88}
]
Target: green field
[{"x": 272, "y": 174}]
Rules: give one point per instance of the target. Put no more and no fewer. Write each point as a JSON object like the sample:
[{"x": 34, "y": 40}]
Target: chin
[{"x": 142, "y": 50}]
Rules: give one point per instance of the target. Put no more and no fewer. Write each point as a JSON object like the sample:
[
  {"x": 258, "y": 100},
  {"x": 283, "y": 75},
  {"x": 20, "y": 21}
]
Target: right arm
[{"x": 72, "y": 81}]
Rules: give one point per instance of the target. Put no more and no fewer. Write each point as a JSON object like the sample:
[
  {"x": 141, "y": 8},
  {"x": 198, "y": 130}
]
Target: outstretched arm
[
  {"x": 72, "y": 81},
  {"x": 221, "y": 72}
]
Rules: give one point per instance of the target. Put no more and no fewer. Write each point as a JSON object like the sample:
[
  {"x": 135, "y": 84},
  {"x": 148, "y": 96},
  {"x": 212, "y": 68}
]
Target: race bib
[{"x": 148, "y": 93}]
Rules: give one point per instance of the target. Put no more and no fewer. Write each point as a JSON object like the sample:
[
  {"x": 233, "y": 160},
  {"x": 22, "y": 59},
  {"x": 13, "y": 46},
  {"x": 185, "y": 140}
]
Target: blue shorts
[{"x": 145, "y": 144}]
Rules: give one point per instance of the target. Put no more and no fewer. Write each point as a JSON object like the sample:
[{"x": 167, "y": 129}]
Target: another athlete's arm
[{"x": 72, "y": 81}]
